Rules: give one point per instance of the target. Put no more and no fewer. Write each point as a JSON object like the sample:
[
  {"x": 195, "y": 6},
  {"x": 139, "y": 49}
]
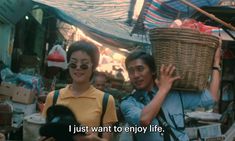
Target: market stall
[{"x": 23, "y": 94}]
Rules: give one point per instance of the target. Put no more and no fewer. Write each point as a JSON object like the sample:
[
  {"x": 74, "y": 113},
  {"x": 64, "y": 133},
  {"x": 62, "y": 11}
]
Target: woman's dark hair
[
  {"x": 86, "y": 47},
  {"x": 147, "y": 58}
]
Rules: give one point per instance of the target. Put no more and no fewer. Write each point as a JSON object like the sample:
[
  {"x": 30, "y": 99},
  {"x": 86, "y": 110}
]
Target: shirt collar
[
  {"x": 154, "y": 90},
  {"x": 142, "y": 95},
  {"x": 68, "y": 93}
]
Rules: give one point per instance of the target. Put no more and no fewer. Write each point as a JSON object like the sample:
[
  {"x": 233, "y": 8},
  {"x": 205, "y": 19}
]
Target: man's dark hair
[
  {"x": 147, "y": 59},
  {"x": 86, "y": 47}
]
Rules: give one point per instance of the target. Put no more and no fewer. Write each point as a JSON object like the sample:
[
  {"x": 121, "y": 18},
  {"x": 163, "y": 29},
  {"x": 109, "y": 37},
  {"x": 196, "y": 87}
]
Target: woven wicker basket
[{"x": 190, "y": 51}]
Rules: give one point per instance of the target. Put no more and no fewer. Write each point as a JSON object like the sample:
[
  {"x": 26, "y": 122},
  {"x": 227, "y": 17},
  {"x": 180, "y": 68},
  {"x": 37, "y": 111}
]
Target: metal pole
[{"x": 208, "y": 15}]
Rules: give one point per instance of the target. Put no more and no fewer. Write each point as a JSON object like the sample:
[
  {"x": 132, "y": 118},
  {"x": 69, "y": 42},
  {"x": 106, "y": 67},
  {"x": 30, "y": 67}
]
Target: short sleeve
[
  {"x": 197, "y": 99},
  {"x": 48, "y": 103},
  {"x": 130, "y": 111},
  {"x": 110, "y": 115}
]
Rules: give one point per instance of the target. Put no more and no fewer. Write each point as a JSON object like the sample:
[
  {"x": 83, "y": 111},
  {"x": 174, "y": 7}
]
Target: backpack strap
[
  {"x": 55, "y": 96},
  {"x": 163, "y": 122},
  {"x": 104, "y": 106}
]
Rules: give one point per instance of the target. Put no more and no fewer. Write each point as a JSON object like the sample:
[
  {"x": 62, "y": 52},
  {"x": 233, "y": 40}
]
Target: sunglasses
[{"x": 81, "y": 66}]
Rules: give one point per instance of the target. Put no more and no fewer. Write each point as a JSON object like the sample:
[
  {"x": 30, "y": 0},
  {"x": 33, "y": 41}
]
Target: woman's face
[{"x": 80, "y": 67}]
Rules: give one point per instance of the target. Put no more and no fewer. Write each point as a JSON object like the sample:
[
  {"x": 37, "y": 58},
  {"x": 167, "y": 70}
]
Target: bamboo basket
[{"x": 190, "y": 51}]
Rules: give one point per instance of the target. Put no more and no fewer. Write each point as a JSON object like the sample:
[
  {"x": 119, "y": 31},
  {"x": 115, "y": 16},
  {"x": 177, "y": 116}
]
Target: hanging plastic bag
[
  {"x": 56, "y": 54},
  {"x": 57, "y": 57}
]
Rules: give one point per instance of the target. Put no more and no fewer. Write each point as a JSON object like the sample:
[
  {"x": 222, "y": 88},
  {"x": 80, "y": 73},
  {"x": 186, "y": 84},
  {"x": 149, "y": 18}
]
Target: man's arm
[
  {"x": 216, "y": 75},
  {"x": 209, "y": 96},
  {"x": 151, "y": 110},
  {"x": 130, "y": 111},
  {"x": 164, "y": 84}
]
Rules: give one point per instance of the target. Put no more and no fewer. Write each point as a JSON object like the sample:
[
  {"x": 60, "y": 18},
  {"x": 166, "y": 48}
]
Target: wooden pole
[{"x": 208, "y": 15}]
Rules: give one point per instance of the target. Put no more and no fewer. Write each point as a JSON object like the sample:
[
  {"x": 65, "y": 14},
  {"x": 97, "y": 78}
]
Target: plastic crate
[
  {"x": 220, "y": 138},
  {"x": 192, "y": 132},
  {"x": 209, "y": 131}
]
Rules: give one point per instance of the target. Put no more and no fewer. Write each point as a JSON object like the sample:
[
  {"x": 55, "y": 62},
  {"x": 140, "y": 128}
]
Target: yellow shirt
[{"x": 87, "y": 107}]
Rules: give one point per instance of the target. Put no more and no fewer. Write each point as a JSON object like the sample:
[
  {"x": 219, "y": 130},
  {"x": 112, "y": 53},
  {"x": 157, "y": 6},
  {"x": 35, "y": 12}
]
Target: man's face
[
  {"x": 140, "y": 74},
  {"x": 100, "y": 82}
]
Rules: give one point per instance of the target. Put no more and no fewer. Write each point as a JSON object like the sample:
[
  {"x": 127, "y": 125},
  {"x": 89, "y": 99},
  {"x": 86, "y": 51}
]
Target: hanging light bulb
[{"x": 27, "y": 17}]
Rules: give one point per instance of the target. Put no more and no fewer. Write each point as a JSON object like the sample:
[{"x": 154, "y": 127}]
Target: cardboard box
[
  {"x": 8, "y": 89},
  {"x": 23, "y": 95}
]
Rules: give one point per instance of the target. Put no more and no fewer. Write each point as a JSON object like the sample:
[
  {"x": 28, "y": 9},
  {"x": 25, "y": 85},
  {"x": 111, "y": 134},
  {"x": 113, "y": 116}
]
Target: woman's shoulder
[
  {"x": 100, "y": 95},
  {"x": 97, "y": 92},
  {"x": 52, "y": 93}
]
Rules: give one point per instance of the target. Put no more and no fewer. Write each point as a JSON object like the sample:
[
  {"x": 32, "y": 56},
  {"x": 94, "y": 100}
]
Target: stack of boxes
[
  {"x": 18, "y": 94},
  {"x": 22, "y": 101}
]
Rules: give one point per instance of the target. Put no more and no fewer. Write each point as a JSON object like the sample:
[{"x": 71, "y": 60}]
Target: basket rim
[
  {"x": 179, "y": 30},
  {"x": 210, "y": 45}
]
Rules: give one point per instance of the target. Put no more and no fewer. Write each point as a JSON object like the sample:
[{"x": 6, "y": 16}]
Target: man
[
  {"x": 100, "y": 81},
  {"x": 152, "y": 96}
]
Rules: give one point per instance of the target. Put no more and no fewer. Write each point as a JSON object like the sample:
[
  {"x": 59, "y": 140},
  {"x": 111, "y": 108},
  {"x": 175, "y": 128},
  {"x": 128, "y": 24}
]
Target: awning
[
  {"x": 102, "y": 20},
  {"x": 161, "y": 13}
]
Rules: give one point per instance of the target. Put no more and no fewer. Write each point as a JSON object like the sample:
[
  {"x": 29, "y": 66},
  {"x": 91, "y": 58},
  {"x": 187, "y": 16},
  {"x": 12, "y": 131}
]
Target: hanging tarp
[
  {"x": 99, "y": 18},
  {"x": 161, "y": 13},
  {"x": 11, "y": 11},
  {"x": 226, "y": 13}
]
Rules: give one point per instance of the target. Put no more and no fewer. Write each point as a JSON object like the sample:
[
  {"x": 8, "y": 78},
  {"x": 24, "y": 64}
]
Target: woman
[{"x": 80, "y": 96}]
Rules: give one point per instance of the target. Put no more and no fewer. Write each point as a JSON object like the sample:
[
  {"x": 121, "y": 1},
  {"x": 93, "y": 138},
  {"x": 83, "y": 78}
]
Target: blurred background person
[{"x": 100, "y": 81}]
